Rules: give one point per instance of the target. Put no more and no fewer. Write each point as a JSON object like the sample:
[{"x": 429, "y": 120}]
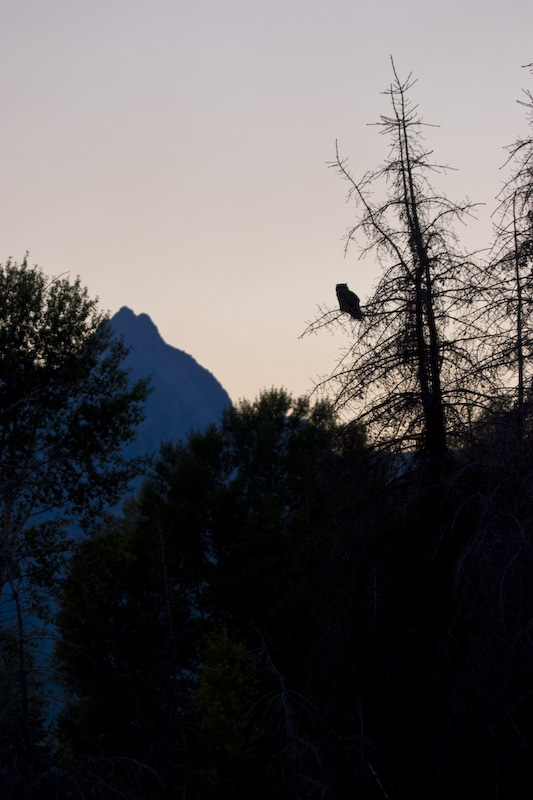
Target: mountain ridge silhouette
[{"x": 185, "y": 396}]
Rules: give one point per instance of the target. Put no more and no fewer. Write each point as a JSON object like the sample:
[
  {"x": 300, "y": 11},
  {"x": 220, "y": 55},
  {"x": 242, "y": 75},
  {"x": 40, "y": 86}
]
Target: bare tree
[
  {"x": 412, "y": 373},
  {"x": 513, "y": 282}
]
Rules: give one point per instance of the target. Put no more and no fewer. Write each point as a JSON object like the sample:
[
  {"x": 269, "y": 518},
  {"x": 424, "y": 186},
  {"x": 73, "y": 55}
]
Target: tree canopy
[
  {"x": 213, "y": 564},
  {"x": 66, "y": 409}
]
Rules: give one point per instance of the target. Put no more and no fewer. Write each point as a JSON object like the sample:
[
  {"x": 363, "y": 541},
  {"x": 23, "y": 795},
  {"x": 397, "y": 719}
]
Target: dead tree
[
  {"x": 411, "y": 372},
  {"x": 512, "y": 279}
]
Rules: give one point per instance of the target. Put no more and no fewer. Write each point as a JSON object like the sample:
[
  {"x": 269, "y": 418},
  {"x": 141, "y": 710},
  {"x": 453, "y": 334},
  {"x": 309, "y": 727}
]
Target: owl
[{"x": 348, "y": 301}]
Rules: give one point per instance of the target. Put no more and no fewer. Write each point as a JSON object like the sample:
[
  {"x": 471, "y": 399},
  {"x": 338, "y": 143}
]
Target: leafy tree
[
  {"x": 411, "y": 374},
  {"x": 212, "y": 586},
  {"x": 66, "y": 409},
  {"x": 221, "y": 707}
]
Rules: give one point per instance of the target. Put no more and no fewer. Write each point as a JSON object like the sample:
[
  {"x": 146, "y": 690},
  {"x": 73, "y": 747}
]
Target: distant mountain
[{"x": 185, "y": 395}]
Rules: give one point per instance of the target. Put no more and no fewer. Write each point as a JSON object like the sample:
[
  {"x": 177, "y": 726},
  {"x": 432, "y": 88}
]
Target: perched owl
[{"x": 348, "y": 301}]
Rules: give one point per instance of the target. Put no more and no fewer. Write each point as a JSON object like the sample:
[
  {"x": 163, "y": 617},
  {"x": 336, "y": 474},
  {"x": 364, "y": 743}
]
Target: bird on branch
[{"x": 348, "y": 301}]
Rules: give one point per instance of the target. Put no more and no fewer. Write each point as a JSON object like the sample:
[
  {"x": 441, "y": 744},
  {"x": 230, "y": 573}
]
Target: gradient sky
[{"x": 173, "y": 153}]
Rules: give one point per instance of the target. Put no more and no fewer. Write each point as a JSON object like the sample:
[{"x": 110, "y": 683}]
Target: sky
[{"x": 173, "y": 154}]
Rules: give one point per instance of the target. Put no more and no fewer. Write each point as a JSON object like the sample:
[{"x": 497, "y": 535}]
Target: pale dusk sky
[{"x": 173, "y": 154}]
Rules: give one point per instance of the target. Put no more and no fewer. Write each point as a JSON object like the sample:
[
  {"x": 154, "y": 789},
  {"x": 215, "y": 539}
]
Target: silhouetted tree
[
  {"x": 411, "y": 374},
  {"x": 509, "y": 294},
  {"x": 212, "y": 584},
  {"x": 66, "y": 408}
]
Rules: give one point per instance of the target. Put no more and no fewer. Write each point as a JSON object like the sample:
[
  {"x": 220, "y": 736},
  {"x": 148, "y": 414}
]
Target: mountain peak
[
  {"x": 185, "y": 395},
  {"x": 128, "y": 323}
]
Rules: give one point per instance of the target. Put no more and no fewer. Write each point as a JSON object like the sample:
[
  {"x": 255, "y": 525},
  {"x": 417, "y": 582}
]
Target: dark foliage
[
  {"x": 222, "y": 561},
  {"x": 289, "y": 610},
  {"x": 381, "y": 648},
  {"x": 66, "y": 408}
]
